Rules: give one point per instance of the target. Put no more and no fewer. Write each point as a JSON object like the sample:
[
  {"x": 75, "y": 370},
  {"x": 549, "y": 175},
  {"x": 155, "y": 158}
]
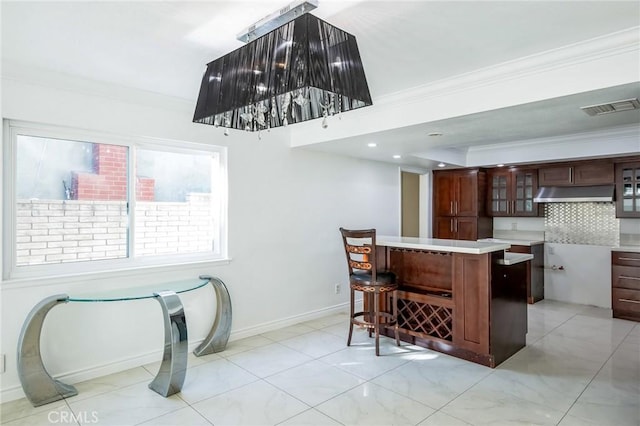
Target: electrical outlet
[
  {"x": 550, "y": 250},
  {"x": 2, "y": 363},
  {"x": 514, "y": 226},
  {"x": 337, "y": 289}
]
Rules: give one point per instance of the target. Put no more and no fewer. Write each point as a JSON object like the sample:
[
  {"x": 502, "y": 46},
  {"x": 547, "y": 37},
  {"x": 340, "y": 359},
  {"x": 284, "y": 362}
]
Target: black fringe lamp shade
[{"x": 302, "y": 70}]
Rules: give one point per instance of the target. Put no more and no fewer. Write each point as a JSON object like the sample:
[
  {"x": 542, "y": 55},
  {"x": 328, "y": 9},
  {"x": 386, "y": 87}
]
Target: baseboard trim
[{"x": 285, "y": 322}]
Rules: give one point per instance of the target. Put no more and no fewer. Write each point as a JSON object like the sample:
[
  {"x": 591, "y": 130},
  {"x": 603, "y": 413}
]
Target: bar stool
[{"x": 360, "y": 248}]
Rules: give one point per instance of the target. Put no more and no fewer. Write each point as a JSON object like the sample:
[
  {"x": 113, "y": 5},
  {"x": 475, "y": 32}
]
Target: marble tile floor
[{"x": 580, "y": 367}]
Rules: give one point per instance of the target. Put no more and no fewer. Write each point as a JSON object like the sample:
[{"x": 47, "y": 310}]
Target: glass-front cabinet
[
  {"x": 628, "y": 189},
  {"x": 511, "y": 192}
]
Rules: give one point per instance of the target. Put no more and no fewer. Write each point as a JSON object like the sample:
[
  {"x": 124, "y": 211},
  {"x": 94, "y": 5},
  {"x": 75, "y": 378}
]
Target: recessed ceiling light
[
  {"x": 397, "y": 156},
  {"x": 372, "y": 145},
  {"x": 441, "y": 165},
  {"x": 435, "y": 134}
]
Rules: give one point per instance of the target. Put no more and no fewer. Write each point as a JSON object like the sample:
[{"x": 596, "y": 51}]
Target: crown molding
[
  {"x": 36, "y": 76},
  {"x": 612, "y": 44},
  {"x": 615, "y": 141},
  {"x": 631, "y": 132}
]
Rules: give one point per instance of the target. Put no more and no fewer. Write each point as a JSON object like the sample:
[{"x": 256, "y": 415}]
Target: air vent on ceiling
[{"x": 608, "y": 108}]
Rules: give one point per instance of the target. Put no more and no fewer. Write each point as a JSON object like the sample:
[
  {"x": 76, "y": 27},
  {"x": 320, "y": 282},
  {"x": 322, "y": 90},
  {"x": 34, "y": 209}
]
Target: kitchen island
[{"x": 464, "y": 298}]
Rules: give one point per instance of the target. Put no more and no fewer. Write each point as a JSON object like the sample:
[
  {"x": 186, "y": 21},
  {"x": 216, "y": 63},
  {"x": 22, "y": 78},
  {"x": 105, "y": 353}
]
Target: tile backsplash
[
  {"x": 582, "y": 223},
  {"x": 572, "y": 223}
]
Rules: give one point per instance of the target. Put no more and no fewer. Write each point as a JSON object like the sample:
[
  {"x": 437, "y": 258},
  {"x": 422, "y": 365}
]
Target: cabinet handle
[
  {"x": 456, "y": 222},
  {"x": 629, "y": 301},
  {"x": 456, "y": 204},
  {"x": 451, "y": 225},
  {"x": 629, "y": 258},
  {"x": 571, "y": 174},
  {"x": 451, "y": 207},
  {"x": 629, "y": 278}
]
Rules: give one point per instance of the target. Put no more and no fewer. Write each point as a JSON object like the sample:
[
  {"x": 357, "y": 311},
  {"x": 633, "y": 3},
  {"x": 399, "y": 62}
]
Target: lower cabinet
[
  {"x": 535, "y": 271},
  {"x": 469, "y": 228},
  {"x": 466, "y": 305},
  {"x": 625, "y": 285},
  {"x": 471, "y": 296}
]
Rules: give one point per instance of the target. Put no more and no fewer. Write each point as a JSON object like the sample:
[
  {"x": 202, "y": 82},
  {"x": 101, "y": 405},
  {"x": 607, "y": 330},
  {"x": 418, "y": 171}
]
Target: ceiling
[
  {"x": 163, "y": 47},
  {"x": 453, "y": 137}
]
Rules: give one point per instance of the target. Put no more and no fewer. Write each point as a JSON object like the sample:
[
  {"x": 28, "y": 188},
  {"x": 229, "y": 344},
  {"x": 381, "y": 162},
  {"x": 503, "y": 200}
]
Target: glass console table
[{"x": 40, "y": 388}]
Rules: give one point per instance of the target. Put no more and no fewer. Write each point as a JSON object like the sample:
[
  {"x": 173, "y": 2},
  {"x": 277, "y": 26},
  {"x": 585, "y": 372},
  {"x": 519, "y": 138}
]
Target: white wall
[
  {"x": 586, "y": 274},
  {"x": 285, "y": 207},
  {"x": 586, "y": 278}
]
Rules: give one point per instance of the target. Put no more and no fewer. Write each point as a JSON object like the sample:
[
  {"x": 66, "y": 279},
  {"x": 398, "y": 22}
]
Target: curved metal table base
[
  {"x": 39, "y": 387},
  {"x": 173, "y": 368},
  {"x": 218, "y": 337}
]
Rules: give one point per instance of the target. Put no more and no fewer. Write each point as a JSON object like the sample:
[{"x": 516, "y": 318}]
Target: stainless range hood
[{"x": 574, "y": 194}]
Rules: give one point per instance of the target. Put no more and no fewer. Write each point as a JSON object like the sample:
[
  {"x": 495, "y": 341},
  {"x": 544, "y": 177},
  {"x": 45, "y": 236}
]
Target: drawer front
[
  {"x": 625, "y": 277},
  {"x": 625, "y": 258},
  {"x": 626, "y": 300},
  {"x": 520, "y": 249}
]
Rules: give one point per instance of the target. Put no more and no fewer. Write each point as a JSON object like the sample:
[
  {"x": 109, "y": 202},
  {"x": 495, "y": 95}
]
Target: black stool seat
[{"x": 382, "y": 278}]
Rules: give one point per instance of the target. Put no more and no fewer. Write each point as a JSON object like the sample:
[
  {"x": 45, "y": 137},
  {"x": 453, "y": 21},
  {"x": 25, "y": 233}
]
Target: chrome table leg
[
  {"x": 39, "y": 387},
  {"x": 173, "y": 368},
  {"x": 218, "y": 337}
]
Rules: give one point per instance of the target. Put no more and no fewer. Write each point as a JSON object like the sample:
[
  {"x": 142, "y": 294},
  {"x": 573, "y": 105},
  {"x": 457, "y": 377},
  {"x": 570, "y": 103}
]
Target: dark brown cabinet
[
  {"x": 628, "y": 189},
  {"x": 457, "y": 228},
  {"x": 457, "y": 193},
  {"x": 471, "y": 295},
  {"x": 555, "y": 176},
  {"x": 511, "y": 192},
  {"x": 535, "y": 271},
  {"x": 580, "y": 173},
  {"x": 458, "y": 205},
  {"x": 466, "y": 305},
  {"x": 625, "y": 285}
]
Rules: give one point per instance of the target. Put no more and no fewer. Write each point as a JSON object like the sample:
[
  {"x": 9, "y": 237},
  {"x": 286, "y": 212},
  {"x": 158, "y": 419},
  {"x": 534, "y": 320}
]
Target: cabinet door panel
[
  {"x": 444, "y": 228},
  {"x": 593, "y": 174},
  {"x": 628, "y": 189},
  {"x": 499, "y": 194},
  {"x": 466, "y": 228},
  {"x": 525, "y": 186},
  {"x": 444, "y": 191},
  {"x": 466, "y": 202},
  {"x": 550, "y": 176},
  {"x": 471, "y": 299}
]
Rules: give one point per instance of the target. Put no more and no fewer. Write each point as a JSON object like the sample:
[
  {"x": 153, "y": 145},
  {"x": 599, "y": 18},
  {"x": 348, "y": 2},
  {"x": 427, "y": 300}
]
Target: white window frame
[{"x": 11, "y": 271}]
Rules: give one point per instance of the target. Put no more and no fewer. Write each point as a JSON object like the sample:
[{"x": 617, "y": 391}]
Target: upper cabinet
[
  {"x": 456, "y": 192},
  {"x": 628, "y": 189},
  {"x": 511, "y": 192},
  {"x": 579, "y": 173}
]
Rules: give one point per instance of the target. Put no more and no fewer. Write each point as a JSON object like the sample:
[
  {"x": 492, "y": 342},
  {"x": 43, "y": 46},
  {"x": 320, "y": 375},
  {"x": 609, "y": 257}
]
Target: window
[{"x": 78, "y": 202}]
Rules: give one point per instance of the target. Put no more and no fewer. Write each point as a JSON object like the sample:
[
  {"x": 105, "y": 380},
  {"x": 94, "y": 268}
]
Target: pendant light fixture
[{"x": 299, "y": 71}]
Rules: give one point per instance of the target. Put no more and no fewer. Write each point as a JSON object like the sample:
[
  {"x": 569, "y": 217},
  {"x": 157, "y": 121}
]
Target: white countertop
[
  {"x": 453, "y": 246},
  {"x": 514, "y": 258},
  {"x": 634, "y": 249},
  {"x": 514, "y": 242}
]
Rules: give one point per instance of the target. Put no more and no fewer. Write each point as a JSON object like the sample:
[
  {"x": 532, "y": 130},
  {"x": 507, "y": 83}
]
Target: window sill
[{"x": 127, "y": 272}]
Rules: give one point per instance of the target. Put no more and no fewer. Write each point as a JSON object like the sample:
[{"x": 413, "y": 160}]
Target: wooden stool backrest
[{"x": 360, "y": 249}]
